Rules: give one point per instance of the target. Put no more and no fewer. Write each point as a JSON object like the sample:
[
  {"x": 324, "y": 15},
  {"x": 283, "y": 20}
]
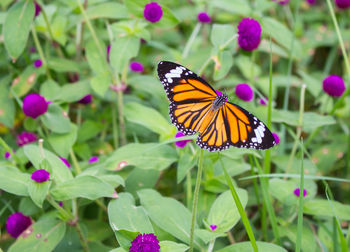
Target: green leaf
[
  {"x": 206, "y": 236},
  {"x": 185, "y": 164},
  {"x": 246, "y": 246},
  {"x": 97, "y": 62},
  {"x": 88, "y": 187},
  {"x": 113, "y": 180},
  {"x": 308, "y": 242},
  {"x": 42, "y": 236},
  {"x": 107, "y": 10},
  {"x": 7, "y": 106},
  {"x": 322, "y": 208},
  {"x": 147, "y": 117},
  {"x": 55, "y": 119},
  {"x": 26, "y": 80},
  {"x": 247, "y": 67},
  {"x": 170, "y": 246},
  {"x": 13, "y": 181},
  {"x": 241, "y": 7},
  {"x": 139, "y": 179},
  {"x": 38, "y": 191},
  {"x": 100, "y": 83},
  {"x": 224, "y": 213},
  {"x": 136, "y": 7},
  {"x": 63, "y": 65},
  {"x": 50, "y": 90},
  {"x": 144, "y": 156},
  {"x": 58, "y": 28},
  {"x": 28, "y": 207},
  {"x": 59, "y": 170},
  {"x": 223, "y": 66},
  {"x": 168, "y": 214},
  {"x": 89, "y": 129},
  {"x": 17, "y": 25},
  {"x": 221, "y": 33},
  {"x": 168, "y": 19},
  {"x": 122, "y": 50},
  {"x": 62, "y": 143}
]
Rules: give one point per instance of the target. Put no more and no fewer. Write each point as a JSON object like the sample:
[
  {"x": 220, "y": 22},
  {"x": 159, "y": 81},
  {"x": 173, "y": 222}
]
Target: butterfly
[{"x": 196, "y": 107}]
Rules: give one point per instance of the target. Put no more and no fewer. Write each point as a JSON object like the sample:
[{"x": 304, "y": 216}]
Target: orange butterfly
[{"x": 196, "y": 107}]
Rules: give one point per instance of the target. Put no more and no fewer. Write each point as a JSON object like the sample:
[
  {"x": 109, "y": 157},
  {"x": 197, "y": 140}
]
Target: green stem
[
  {"x": 301, "y": 201},
  {"x": 114, "y": 127},
  {"x": 66, "y": 215},
  {"x": 205, "y": 64},
  {"x": 121, "y": 117},
  {"x": 82, "y": 238},
  {"x": 191, "y": 39},
  {"x": 8, "y": 149},
  {"x": 188, "y": 189},
  {"x": 228, "y": 42},
  {"x": 75, "y": 162},
  {"x": 195, "y": 199},
  {"x": 41, "y": 53}
]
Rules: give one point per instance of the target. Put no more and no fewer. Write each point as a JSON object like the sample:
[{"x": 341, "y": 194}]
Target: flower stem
[
  {"x": 41, "y": 53},
  {"x": 190, "y": 40},
  {"x": 82, "y": 238},
  {"x": 188, "y": 189},
  {"x": 195, "y": 199},
  {"x": 114, "y": 127},
  {"x": 75, "y": 162},
  {"x": 301, "y": 201},
  {"x": 67, "y": 215},
  {"x": 223, "y": 47}
]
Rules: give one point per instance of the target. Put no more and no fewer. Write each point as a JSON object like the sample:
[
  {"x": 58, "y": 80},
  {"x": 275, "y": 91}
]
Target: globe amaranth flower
[
  {"x": 37, "y": 9},
  {"x": 311, "y": 2},
  {"x": 87, "y": 99},
  {"x": 38, "y": 63},
  {"x": 153, "y": 12},
  {"x": 249, "y": 34},
  {"x": 65, "y": 161},
  {"x": 108, "y": 52},
  {"x": 203, "y": 17},
  {"x": 34, "y": 105},
  {"x": 342, "y": 4},
  {"x": 136, "y": 66},
  {"x": 25, "y": 138},
  {"x": 297, "y": 192},
  {"x": 263, "y": 101},
  {"x": 213, "y": 227},
  {"x": 244, "y": 92},
  {"x": 40, "y": 176},
  {"x": 276, "y": 137},
  {"x": 334, "y": 85},
  {"x": 145, "y": 243},
  {"x": 7, "y": 155},
  {"x": 93, "y": 159},
  {"x": 16, "y": 223},
  {"x": 181, "y": 143}
]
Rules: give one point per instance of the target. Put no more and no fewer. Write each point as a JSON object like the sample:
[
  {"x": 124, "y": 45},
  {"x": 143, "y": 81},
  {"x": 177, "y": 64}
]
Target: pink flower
[
  {"x": 182, "y": 143},
  {"x": 297, "y": 192}
]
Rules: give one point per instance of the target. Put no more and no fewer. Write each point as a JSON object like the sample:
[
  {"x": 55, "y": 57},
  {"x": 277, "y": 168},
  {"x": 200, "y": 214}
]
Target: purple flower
[
  {"x": 25, "y": 138},
  {"x": 297, "y": 192},
  {"x": 65, "y": 161},
  {"x": 276, "y": 137},
  {"x": 249, "y": 34},
  {"x": 108, "y": 52},
  {"x": 145, "y": 243},
  {"x": 40, "y": 175},
  {"x": 16, "y": 223},
  {"x": 38, "y": 63},
  {"x": 263, "y": 101},
  {"x": 60, "y": 204},
  {"x": 86, "y": 99},
  {"x": 153, "y": 12},
  {"x": 281, "y": 2},
  {"x": 93, "y": 159},
  {"x": 34, "y": 105},
  {"x": 37, "y": 9},
  {"x": 334, "y": 85},
  {"x": 182, "y": 143},
  {"x": 244, "y": 92},
  {"x": 213, "y": 227},
  {"x": 136, "y": 66},
  {"x": 203, "y": 17},
  {"x": 342, "y": 4},
  {"x": 311, "y": 2},
  {"x": 7, "y": 155}
]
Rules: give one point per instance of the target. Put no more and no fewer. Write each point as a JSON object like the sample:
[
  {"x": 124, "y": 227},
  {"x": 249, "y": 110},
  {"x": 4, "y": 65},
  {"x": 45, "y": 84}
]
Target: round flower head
[
  {"x": 7, "y": 155},
  {"x": 263, "y": 101},
  {"x": 297, "y": 192},
  {"x": 213, "y": 227},
  {"x": 342, "y": 4},
  {"x": 37, "y": 9},
  {"x": 182, "y": 143},
  {"x": 40, "y": 176},
  {"x": 276, "y": 137},
  {"x": 65, "y": 162},
  {"x": 34, "y": 105},
  {"x": 153, "y": 12},
  {"x": 334, "y": 85},
  {"x": 311, "y": 2},
  {"x": 93, "y": 159},
  {"x": 17, "y": 223},
  {"x": 203, "y": 17},
  {"x": 86, "y": 99},
  {"x": 249, "y": 34},
  {"x": 145, "y": 243},
  {"x": 108, "y": 52},
  {"x": 136, "y": 66},
  {"x": 25, "y": 138},
  {"x": 244, "y": 92},
  {"x": 38, "y": 63}
]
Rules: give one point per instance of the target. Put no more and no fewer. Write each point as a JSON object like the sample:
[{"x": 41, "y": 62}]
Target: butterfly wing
[
  {"x": 233, "y": 125},
  {"x": 190, "y": 97}
]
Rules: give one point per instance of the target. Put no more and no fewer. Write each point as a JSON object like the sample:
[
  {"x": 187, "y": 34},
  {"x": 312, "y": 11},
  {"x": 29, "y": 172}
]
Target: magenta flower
[
  {"x": 297, "y": 192},
  {"x": 342, "y": 4},
  {"x": 334, "y": 85},
  {"x": 277, "y": 138},
  {"x": 60, "y": 204},
  {"x": 213, "y": 227},
  {"x": 244, "y": 92},
  {"x": 40, "y": 176},
  {"x": 281, "y": 2},
  {"x": 203, "y": 17},
  {"x": 136, "y": 66},
  {"x": 263, "y": 101},
  {"x": 16, "y": 223},
  {"x": 37, "y": 9},
  {"x": 93, "y": 159},
  {"x": 153, "y": 12},
  {"x": 38, "y": 63},
  {"x": 25, "y": 138},
  {"x": 145, "y": 243},
  {"x": 65, "y": 161},
  {"x": 249, "y": 34},
  {"x": 7, "y": 155},
  {"x": 108, "y": 52},
  {"x": 182, "y": 143},
  {"x": 87, "y": 99},
  {"x": 311, "y": 2},
  {"x": 34, "y": 105}
]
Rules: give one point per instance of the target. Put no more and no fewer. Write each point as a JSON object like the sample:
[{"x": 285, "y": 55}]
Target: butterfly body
[{"x": 196, "y": 107}]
